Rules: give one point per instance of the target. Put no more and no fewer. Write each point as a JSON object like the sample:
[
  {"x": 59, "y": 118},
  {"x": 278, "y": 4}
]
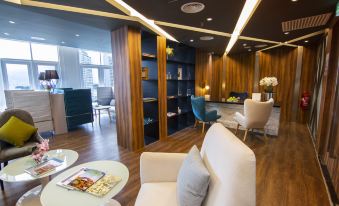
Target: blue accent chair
[{"x": 199, "y": 111}]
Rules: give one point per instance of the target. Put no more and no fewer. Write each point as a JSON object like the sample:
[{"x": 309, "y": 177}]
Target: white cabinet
[{"x": 37, "y": 103}]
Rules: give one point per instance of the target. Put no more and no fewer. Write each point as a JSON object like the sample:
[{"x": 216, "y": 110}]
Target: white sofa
[{"x": 231, "y": 164}]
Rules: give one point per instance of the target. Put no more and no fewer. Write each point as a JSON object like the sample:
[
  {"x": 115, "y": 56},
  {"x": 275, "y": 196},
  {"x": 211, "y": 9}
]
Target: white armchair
[
  {"x": 256, "y": 115},
  {"x": 231, "y": 164}
]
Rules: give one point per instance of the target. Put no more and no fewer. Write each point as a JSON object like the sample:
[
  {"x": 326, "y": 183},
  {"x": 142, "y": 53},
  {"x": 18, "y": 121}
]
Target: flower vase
[{"x": 269, "y": 93}]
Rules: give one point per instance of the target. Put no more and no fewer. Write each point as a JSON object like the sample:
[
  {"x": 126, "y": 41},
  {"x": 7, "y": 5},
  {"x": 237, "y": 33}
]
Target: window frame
[{"x": 16, "y": 61}]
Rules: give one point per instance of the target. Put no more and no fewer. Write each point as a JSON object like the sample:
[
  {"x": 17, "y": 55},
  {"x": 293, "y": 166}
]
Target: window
[
  {"x": 89, "y": 57},
  {"x": 23, "y": 61},
  {"x": 44, "y": 52},
  {"x": 10, "y": 49},
  {"x": 108, "y": 77},
  {"x": 95, "y": 58},
  {"x": 18, "y": 76},
  {"x": 91, "y": 80},
  {"x": 106, "y": 59},
  {"x": 96, "y": 70}
]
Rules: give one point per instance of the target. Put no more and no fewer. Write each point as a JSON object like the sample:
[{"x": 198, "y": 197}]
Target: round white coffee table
[
  {"x": 15, "y": 172},
  {"x": 51, "y": 194}
]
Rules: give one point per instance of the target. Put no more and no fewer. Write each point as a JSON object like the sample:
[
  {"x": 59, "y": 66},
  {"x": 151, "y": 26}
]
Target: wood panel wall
[
  {"x": 281, "y": 63},
  {"x": 203, "y": 68},
  {"x": 327, "y": 132},
  {"x": 239, "y": 70},
  {"x": 126, "y": 52},
  {"x": 309, "y": 68},
  {"x": 224, "y": 74},
  {"x": 162, "y": 87}
]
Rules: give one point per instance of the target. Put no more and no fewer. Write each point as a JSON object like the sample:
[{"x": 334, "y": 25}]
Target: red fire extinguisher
[{"x": 305, "y": 100}]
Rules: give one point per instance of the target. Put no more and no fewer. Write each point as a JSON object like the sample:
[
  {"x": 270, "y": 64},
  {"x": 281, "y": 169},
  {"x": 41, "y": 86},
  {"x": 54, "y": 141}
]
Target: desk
[{"x": 228, "y": 109}]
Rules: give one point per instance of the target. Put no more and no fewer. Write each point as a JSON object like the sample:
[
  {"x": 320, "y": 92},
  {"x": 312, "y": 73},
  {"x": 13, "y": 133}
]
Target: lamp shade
[
  {"x": 51, "y": 74},
  {"x": 41, "y": 76}
]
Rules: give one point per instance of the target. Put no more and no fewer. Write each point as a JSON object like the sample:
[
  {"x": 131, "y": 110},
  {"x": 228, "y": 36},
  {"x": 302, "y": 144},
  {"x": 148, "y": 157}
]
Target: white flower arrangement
[{"x": 269, "y": 82}]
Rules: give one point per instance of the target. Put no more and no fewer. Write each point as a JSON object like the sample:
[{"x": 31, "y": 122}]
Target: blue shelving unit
[
  {"x": 179, "y": 91},
  {"x": 150, "y": 88}
]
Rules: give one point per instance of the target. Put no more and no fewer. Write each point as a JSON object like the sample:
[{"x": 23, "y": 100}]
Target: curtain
[
  {"x": 70, "y": 71},
  {"x": 2, "y": 93}
]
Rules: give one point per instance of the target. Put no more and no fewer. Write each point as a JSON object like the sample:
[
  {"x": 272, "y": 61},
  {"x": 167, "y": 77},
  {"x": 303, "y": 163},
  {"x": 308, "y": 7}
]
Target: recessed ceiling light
[
  {"x": 206, "y": 38},
  {"x": 191, "y": 40},
  {"x": 192, "y": 7},
  {"x": 77, "y": 35},
  {"x": 260, "y": 45},
  {"x": 249, "y": 50},
  {"x": 209, "y": 19},
  {"x": 5, "y": 33},
  {"x": 306, "y": 41},
  {"x": 38, "y": 38},
  {"x": 244, "y": 44},
  {"x": 294, "y": 0},
  {"x": 11, "y": 22},
  {"x": 63, "y": 42},
  {"x": 286, "y": 32}
]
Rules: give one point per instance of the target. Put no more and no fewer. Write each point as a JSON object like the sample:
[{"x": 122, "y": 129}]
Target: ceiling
[
  {"x": 58, "y": 26},
  {"x": 264, "y": 24}
]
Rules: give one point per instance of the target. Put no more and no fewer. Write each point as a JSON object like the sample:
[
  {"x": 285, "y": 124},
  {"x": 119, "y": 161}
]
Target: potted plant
[
  {"x": 268, "y": 83},
  {"x": 169, "y": 51}
]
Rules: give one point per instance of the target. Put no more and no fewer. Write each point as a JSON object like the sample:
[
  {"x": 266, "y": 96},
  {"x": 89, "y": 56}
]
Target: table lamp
[{"x": 50, "y": 78}]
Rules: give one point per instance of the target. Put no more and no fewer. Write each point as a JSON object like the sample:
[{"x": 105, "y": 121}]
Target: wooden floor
[{"x": 287, "y": 171}]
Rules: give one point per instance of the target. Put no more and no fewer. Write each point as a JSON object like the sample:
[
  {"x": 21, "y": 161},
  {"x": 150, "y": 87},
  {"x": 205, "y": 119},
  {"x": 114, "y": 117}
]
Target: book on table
[
  {"x": 44, "y": 167},
  {"x": 91, "y": 181}
]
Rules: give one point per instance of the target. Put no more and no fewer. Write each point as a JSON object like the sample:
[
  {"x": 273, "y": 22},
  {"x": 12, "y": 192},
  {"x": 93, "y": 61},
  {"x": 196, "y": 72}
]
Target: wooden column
[
  {"x": 126, "y": 51},
  {"x": 162, "y": 87},
  {"x": 296, "y": 90}
]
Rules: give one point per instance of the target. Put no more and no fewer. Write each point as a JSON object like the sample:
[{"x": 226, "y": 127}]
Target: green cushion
[{"x": 16, "y": 132}]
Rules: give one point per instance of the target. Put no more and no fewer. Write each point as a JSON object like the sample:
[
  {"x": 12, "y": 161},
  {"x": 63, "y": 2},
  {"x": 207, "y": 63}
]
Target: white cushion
[
  {"x": 193, "y": 179},
  {"x": 240, "y": 119},
  {"x": 157, "y": 194}
]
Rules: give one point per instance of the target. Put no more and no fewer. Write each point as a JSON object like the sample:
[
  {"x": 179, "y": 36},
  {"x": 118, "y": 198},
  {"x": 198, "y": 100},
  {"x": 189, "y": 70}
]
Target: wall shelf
[
  {"x": 150, "y": 88},
  {"x": 169, "y": 60},
  {"x": 177, "y": 89},
  {"x": 143, "y": 57}
]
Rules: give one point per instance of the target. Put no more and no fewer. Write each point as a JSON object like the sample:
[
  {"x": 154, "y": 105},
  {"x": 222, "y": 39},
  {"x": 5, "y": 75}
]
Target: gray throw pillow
[{"x": 193, "y": 180}]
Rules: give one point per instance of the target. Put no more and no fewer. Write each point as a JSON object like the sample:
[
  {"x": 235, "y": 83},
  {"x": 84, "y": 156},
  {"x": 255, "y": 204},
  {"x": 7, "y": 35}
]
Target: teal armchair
[{"x": 199, "y": 111}]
